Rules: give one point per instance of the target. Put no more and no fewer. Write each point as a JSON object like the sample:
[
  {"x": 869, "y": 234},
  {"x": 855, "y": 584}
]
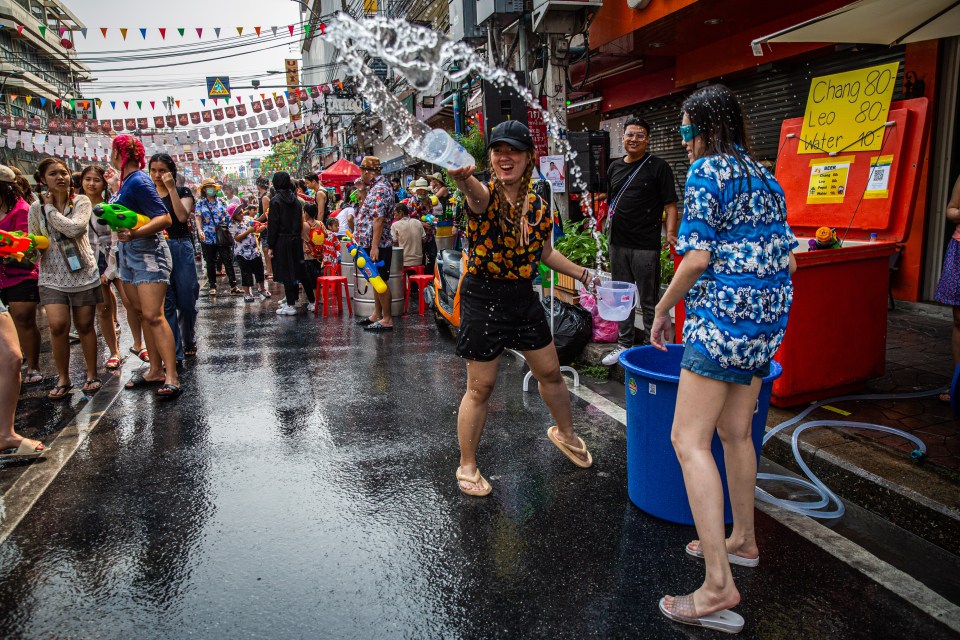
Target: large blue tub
[{"x": 654, "y": 479}]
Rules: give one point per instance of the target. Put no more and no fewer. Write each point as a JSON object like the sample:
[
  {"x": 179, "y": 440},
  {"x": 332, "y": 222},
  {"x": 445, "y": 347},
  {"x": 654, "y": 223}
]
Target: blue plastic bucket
[{"x": 654, "y": 479}]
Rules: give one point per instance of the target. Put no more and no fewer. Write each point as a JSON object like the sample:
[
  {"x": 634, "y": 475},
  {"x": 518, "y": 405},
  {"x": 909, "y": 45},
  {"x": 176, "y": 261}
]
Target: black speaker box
[{"x": 593, "y": 158}]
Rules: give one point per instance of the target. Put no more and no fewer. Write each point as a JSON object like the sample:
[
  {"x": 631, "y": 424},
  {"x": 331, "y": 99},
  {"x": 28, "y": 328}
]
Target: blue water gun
[
  {"x": 365, "y": 265},
  {"x": 429, "y": 218}
]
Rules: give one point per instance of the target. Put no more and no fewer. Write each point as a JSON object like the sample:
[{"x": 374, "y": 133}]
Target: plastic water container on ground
[
  {"x": 616, "y": 300},
  {"x": 654, "y": 478},
  {"x": 362, "y": 291}
]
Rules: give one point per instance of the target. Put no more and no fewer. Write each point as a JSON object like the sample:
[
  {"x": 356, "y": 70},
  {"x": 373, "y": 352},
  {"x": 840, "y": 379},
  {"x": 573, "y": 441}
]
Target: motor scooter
[{"x": 443, "y": 294}]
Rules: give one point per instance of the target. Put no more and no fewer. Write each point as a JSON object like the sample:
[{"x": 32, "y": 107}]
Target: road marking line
[
  {"x": 27, "y": 490},
  {"x": 886, "y": 575}
]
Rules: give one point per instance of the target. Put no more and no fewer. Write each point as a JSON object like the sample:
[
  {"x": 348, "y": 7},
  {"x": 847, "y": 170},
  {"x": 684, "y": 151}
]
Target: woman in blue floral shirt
[
  {"x": 211, "y": 212},
  {"x": 735, "y": 280}
]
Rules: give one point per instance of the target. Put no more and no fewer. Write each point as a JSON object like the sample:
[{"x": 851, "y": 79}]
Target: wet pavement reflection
[{"x": 303, "y": 486}]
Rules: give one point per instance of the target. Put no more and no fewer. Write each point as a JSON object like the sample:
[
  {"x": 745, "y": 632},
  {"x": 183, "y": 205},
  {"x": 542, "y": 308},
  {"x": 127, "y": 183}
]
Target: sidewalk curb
[{"x": 904, "y": 507}]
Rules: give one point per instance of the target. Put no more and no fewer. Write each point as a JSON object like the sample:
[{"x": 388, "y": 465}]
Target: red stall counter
[{"x": 836, "y": 336}]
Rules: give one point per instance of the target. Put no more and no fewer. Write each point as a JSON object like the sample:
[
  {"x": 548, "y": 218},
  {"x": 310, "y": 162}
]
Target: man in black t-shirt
[{"x": 640, "y": 189}]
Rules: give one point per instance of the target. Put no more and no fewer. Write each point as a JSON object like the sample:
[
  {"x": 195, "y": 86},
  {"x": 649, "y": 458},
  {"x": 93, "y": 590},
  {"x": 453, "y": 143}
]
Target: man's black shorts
[
  {"x": 386, "y": 255},
  {"x": 497, "y": 315}
]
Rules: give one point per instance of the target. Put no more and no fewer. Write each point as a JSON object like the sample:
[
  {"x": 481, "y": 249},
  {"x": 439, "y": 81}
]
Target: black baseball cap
[{"x": 512, "y": 132}]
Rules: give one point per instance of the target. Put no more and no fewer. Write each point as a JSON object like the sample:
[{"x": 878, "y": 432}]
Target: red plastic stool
[
  {"x": 332, "y": 270},
  {"x": 422, "y": 281},
  {"x": 407, "y": 272},
  {"x": 328, "y": 286}
]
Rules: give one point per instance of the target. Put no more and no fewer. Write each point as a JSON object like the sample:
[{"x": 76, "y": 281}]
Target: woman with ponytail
[
  {"x": 145, "y": 265},
  {"x": 509, "y": 234},
  {"x": 69, "y": 280}
]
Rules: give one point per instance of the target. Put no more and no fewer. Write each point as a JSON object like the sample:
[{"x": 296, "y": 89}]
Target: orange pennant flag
[
  {"x": 178, "y": 103},
  {"x": 257, "y": 29},
  {"x": 103, "y": 30},
  {"x": 123, "y": 32}
]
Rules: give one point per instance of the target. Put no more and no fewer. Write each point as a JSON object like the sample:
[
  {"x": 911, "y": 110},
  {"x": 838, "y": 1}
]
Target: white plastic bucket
[{"x": 616, "y": 300}]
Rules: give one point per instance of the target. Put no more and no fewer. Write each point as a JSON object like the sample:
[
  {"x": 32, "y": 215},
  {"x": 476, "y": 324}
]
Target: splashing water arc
[{"x": 426, "y": 58}]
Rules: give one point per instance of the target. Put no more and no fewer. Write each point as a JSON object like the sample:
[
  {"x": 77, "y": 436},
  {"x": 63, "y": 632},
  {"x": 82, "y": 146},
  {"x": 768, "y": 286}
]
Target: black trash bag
[{"x": 572, "y": 328}]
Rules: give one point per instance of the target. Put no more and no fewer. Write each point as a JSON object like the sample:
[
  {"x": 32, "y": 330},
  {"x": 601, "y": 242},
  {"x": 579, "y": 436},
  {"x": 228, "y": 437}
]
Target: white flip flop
[
  {"x": 732, "y": 558},
  {"x": 724, "y": 620},
  {"x": 25, "y": 450}
]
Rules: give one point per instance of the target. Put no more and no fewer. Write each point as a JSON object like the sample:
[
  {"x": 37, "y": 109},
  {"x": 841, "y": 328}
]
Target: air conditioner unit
[
  {"x": 502, "y": 9},
  {"x": 463, "y": 22},
  {"x": 561, "y": 16}
]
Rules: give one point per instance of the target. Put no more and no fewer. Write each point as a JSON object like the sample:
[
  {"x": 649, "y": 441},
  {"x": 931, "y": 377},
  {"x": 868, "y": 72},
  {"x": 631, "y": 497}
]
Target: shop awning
[
  {"x": 339, "y": 173},
  {"x": 889, "y": 22}
]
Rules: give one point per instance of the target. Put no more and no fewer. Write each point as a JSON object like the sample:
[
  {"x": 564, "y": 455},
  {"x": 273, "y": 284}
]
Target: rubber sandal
[
  {"x": 571, "y": 451},
  {"x": 724, "y": 620},
  {"x": 137, "y": 381},
  {"x": 31, "y": 378},
  {"x": 168, "y": 392},
  {"x": 143, "y": 354},
  {"x": 190, "y": 351},
  {"x": 28, "y": 449},
  {"x": 477, "y": 479},
  {"x": 732, "y": 558},
  {"x": 60, "y": 387},
  {"x": 365, "y": 322},
  {"x": 377, "y": 326},
  {"x": 113, "y": 362},
  {"x": 87, "y": 384}
]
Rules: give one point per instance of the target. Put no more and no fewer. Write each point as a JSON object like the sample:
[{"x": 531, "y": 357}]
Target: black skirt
[
  {"x": 287, "y": 254},
  {"x": 497, "y": 315}
]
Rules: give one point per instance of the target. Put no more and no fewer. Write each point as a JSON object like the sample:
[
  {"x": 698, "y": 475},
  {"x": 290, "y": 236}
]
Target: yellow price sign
[{"x": 847, "y": 111}]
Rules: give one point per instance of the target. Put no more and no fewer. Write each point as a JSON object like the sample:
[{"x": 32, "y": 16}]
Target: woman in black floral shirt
[{"x": 509, "y": 235}]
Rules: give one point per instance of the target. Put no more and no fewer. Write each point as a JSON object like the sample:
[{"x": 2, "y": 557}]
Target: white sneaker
[
  {"x": 613, "y": 357},
  {"x": 283, "y": 305},
  {"x": 287, "y": 311}
]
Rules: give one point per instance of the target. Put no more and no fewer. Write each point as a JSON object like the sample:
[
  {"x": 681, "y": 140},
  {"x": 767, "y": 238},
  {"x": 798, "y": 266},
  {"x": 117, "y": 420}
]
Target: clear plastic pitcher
[
  {"x": 616, "y": 300},
  {"x": 439, "y": 148}
]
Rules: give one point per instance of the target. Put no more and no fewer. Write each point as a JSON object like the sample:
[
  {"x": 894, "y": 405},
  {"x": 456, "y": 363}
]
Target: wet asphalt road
[{"x": 303, "y": 487}]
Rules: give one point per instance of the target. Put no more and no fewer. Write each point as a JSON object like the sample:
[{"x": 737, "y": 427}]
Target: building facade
[{"x": 42, "y": 66}]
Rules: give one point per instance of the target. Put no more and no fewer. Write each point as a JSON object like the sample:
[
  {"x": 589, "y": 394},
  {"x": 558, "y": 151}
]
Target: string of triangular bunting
[{"x": 305, "y": 29}]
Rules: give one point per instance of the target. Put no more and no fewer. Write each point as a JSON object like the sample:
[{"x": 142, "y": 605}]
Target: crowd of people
[{"x": 289, "y": 232}]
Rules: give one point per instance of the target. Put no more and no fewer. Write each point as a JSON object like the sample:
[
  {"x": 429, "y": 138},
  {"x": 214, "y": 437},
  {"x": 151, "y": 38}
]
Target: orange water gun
[{"x": 14, "y": 244}]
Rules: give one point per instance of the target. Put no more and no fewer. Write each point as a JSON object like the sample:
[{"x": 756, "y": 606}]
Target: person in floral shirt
[
  {"x": 372, "y": 222},
  {"x": 211, "y": 212},
  {"x": 735, "y": 277},
  {"x": 246, "y": 247}
]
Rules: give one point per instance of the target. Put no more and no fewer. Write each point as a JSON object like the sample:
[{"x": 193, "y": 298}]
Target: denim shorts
[
  {"x": 144, "y": 260},
  {"x": 697, "y": 362}
]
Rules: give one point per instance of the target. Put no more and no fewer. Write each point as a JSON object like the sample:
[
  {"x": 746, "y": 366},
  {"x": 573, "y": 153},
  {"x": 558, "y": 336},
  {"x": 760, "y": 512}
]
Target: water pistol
[
  {"x": 825, "y": 238},
  {"x": 117, "y": 217},
  {"x": 14, "y": 244},
  {"x": 429, "y": 218},
  {"x": 366, "y": 266},
  {"x": 258, "y": 227}
]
